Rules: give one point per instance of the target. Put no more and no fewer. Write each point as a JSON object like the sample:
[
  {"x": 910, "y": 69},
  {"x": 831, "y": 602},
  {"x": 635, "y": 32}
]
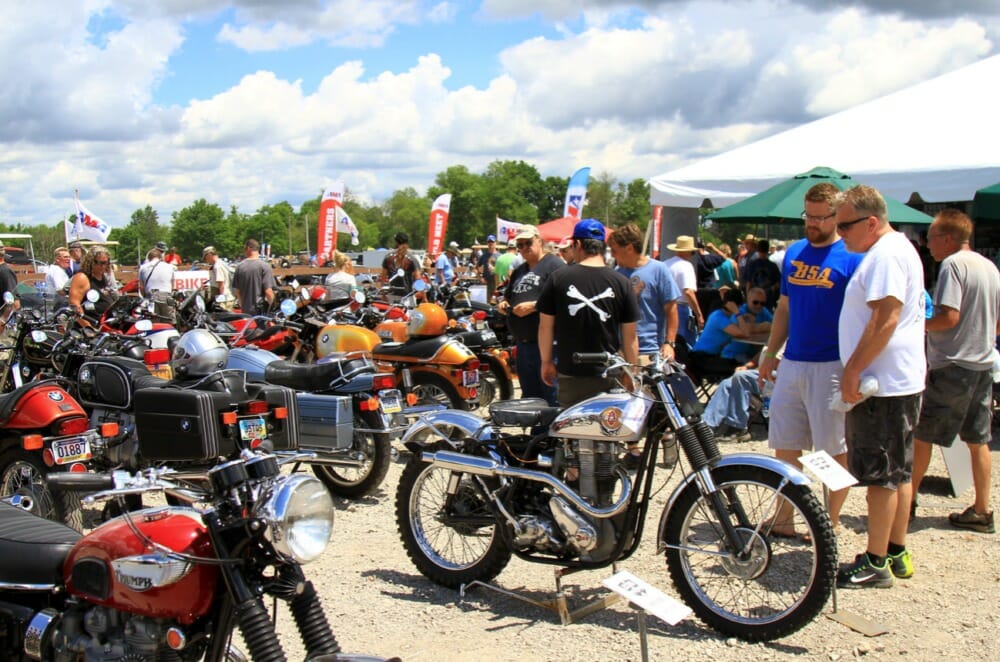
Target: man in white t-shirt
[
  {"x": 881, "y": 334},
  {"x": 689, "y": 317},
  {"x": 155, "y": 275}
]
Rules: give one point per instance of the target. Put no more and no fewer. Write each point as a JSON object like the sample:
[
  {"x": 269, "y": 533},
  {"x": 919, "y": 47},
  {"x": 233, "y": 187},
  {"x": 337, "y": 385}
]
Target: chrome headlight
[{"x": 300, "y": 517}]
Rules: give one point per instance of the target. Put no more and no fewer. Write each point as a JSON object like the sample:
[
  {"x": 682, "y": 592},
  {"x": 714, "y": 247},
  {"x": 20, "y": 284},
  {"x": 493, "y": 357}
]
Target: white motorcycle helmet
[{"x": 198, "y": 353}]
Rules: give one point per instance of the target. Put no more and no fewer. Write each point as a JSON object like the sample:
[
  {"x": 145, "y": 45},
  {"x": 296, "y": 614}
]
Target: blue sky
[{"x": 251, "y": 102}]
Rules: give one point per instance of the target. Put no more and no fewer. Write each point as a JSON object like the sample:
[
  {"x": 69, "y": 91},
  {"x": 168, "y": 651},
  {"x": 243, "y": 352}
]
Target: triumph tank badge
[
  {"x": 55, "y": 396},
  {"x": 611, "y": 420}
]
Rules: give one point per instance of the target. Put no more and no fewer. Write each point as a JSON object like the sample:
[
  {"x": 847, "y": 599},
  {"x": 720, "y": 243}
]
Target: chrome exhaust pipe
[{"x": 484, "y": 466}]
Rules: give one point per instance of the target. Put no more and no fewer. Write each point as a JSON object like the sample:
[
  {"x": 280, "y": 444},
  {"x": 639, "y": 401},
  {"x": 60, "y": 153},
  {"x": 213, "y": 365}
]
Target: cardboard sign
[{"x": 189, "y": 280}]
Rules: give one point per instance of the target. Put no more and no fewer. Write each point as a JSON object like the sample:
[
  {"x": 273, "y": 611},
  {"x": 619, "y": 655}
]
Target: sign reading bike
[{"x": 190, "y": 280}]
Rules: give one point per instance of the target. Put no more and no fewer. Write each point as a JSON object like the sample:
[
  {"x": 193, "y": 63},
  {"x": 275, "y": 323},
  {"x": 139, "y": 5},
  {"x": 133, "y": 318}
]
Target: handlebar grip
[
  {"x": 79, "y": 482},
  {"x": 592, "y": 357}
]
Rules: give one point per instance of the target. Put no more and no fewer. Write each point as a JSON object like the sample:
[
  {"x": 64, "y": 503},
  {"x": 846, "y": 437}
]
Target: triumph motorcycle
[
  {"x": 476, "y": 492},
  {"x": 170, "y": 582}
]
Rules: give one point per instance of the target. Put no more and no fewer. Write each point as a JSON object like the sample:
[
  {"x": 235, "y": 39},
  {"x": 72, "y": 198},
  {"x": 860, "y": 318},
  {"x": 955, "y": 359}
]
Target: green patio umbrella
[
  {"x": 986, "y": 204},
  {"x": 783, "y": 202}
]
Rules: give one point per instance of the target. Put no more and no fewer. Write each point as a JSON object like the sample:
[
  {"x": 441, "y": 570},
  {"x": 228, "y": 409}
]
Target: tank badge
[
  {"x": 55, "y": 396},
  {"x": 185, "y": 425},
  {"x": 611, "y": 420}
]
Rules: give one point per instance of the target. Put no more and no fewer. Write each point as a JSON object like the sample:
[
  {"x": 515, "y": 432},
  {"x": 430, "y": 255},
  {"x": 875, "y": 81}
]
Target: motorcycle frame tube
[
  {"x": 765, "y": 462},
  {"x": 468, "y": 423}
]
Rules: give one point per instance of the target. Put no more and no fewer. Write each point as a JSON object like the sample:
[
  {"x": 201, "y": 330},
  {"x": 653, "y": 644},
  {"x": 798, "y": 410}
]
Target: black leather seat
[
  {"x": 418, "y": 348},
  {"x": 320, "y": 376},
  {"x": 524, "y": 412},
  {"x": 32, "y": 549}
]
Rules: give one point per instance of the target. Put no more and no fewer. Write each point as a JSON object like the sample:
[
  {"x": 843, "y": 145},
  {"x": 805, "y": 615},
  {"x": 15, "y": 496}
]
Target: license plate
[
  {"x": 480, "y": 325},
  {"x": 470, "y": 378},
  {"x": 253, "y": 429},
  {"x": 71, "y": 450},
  {"x": 162, "y": 371},
  {"x": 488, "y": 336},
  {"x": 390, "y": 402}
]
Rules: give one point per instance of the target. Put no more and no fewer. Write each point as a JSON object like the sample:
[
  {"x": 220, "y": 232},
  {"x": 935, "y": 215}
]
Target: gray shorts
[
  {"x": 801, "y": 418},
  {"x": 958, "y": 402},
  {"x": 879, "y": 435}
]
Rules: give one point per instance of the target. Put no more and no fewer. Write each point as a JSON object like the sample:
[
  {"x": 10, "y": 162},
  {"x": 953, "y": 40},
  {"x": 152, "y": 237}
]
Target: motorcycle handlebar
[
  {"x": 79, "y": 482},
  {"x": 602, "y": 358}
]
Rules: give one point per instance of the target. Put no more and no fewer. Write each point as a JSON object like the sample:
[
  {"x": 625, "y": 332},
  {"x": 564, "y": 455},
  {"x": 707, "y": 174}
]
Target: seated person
[
  {"x": 706, "y": 356},
  {"x": 754, "y": 321},
  {"x": 728, "y": 410}
]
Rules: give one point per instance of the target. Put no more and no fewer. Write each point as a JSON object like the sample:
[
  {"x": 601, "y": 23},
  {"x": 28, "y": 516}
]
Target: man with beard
[{"x": 813, "y": 279}]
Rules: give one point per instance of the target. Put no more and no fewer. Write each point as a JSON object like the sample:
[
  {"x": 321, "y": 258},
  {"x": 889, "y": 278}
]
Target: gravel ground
[{"x": 379, "y": 604}]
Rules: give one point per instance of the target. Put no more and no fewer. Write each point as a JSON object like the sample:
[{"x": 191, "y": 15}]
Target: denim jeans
[
  {"x": 730, "y": 403},
  {"x": 529, "y": 373}
]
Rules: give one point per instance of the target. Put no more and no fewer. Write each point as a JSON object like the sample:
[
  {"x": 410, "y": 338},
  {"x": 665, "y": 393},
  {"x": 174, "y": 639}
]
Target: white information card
[
  {"x": 822, "y": 465},
  {"x": 650, "y": 598}
]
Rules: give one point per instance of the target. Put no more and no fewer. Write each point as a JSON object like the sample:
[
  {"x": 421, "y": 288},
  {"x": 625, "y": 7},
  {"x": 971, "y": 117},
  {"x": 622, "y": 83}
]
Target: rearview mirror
[
  {"x": 93, "y": 296},
  {"x": 144, "y": 325},
  {"x": 419, "y": 285},
  {"x": 288, "y": 307}
]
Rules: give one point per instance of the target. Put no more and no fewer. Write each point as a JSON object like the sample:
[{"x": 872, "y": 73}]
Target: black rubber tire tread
[
  {"x": 490, "y": 564},
  {"x": 428, "y": 379},
  {"x": 66, "y": 506},
  {"x": 381, "y": 457},
  {"x": 505, "y": 385},
  {"x": 820, "y": 529}
]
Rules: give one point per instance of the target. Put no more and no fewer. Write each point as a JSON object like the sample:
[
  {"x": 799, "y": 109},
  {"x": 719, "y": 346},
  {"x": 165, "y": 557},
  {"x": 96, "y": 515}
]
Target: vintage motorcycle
[
  {"x": 169, "y": 582},
  {"x": 473, "y": 494}
]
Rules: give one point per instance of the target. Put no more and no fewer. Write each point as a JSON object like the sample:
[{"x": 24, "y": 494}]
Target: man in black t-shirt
[
  {"x": 400, "y": 259},
  {"x": 484, "y": 266},
  {"x": 520, "y": 306},
  {"x": 586, "y": 307}
]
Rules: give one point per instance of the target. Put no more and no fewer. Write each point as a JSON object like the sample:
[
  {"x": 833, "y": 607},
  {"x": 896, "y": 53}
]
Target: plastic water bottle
[
  {"x": 868, "y": 387},
  {"x": 765, "y": 396}
]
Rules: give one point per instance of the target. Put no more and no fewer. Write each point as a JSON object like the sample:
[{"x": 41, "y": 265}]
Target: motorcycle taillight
[
  {"x": 255, "y": 407},
  {"x": 156, "y": 356},
  {"x": 70, "y": 426},
  {"x": 472, "y": 364},
  {"x": 383, "y": 381},
  {"x": 479, "y": 315}
]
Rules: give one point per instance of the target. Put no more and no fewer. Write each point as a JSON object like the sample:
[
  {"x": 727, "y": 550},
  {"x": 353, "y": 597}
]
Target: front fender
[
  {"x": 449, "y": 425},
  {"x": 765, "y": 462}
]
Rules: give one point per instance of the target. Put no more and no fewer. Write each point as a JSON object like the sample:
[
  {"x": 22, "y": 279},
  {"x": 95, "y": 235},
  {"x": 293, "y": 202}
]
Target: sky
[{"x": 253, "y": 102}]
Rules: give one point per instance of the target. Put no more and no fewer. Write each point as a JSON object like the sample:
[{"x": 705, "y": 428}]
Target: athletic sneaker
[
  {"x": 970, "y": 519},
  {"x": 736, "y": 436},
  {"x": 901, "y": 564},
  {"x": 863, "y": 574}
]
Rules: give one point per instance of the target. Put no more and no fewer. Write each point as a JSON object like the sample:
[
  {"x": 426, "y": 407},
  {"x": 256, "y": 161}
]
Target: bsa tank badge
[{"x": 611, "y": 420}]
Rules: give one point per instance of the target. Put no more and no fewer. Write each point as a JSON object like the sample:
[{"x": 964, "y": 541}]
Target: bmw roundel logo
[
  {"x": 186, "y": 425},
  {"x": 55, "y": 396},
  {"x": 325, "y": 338}
]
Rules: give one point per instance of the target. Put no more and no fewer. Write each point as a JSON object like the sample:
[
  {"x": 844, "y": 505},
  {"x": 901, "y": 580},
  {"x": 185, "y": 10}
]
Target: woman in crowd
[{"x": 94, "y": 274}]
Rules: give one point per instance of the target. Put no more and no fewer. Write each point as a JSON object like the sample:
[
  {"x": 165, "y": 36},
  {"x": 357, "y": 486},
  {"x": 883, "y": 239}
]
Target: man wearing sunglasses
[
  {"x": 881, "y": 334},
  {"x": 813, "y": 278}
]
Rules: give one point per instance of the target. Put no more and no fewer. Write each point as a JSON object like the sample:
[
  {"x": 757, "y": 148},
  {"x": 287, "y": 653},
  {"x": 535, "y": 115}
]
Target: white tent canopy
[{"x": 940, "y": 138}]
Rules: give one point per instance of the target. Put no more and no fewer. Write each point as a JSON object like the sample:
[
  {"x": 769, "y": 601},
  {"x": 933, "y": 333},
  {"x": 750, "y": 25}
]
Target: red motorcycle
[
  {"x": 170, "y": 582},
  {"x": 44, "y": 431}
]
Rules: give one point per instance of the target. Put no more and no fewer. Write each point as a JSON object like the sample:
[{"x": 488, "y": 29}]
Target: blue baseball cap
[
  {"x": 491, "y": 237},
  {"x": 589, "y": 228}
]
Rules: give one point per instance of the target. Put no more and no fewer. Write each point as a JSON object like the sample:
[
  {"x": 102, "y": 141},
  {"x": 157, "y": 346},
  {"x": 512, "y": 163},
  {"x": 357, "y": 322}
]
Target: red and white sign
[
  {"x": 657, "y": 224},
  {"x": 189, "y": 280},
  {"x": 438, "y": 224},
  {"x": 326, "y": 240}
]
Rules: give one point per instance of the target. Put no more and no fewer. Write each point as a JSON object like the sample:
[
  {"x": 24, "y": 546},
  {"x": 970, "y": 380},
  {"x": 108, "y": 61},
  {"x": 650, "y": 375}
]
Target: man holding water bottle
[{"x": 813, "y": 279}]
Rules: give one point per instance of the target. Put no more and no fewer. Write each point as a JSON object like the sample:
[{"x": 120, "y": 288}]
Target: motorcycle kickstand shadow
[{"x": 559, "y": 603}]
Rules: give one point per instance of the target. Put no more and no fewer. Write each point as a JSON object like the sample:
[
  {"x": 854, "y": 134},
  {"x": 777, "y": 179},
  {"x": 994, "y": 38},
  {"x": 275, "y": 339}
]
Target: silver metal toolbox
[{"x": 325, "y": 421}]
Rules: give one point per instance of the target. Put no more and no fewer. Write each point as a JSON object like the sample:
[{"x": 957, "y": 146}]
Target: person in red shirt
[{"x": 172, "y": 257}]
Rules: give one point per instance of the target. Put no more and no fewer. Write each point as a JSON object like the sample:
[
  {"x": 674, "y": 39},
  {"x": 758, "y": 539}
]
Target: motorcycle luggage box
[
  {"x": 325, "y": 421},
  {"x": 282, "y": 433},
  {"x": 109, "y": 381},
  {"x": 183, "y": 424}
]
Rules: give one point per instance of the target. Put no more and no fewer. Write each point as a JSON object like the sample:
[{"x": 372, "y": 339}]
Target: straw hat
[{"x": 685, "y": 244}]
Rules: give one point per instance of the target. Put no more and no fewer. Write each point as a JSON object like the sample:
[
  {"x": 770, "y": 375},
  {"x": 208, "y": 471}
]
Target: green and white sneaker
[
  {"x": 863, "y": 574},
  {"x": 901, "y": 564}
]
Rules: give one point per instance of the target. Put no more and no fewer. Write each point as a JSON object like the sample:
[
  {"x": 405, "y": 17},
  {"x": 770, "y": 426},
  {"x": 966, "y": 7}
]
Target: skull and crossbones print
[{"x": 588, "y": 302}]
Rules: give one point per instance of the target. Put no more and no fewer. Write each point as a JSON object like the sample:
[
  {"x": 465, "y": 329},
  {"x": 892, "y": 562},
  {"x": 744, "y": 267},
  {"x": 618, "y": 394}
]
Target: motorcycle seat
[
  {"x": 523, "y": 413},
  {"x": 32, "y": 549},
  {"x": 416, "y": 348},
  {"x": 321, "y": 376}
]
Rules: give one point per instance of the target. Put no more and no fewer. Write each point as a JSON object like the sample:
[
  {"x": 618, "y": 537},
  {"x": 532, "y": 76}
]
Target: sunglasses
[
  {"x": 757, "y": 303},
  {"x": 817, "y": 219},
  {"x": 524, "y": 244},
  {"x": 103, "y": 263},
  {"x": 846, "y": 224}
]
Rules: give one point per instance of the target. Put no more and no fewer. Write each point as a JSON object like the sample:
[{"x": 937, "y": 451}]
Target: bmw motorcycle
[
  {"x": 476, "y": 491},
  {"x": 170, "y": 582}
]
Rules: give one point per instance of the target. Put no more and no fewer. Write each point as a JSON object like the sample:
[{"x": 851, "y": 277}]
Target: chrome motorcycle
[{"x": 476, "y": 492}]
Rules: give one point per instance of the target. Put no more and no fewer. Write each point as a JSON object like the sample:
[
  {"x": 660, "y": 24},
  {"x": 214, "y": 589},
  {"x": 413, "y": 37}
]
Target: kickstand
[
  {"x": 558, "y": 603},
  {"x": 848, "y": 619}
]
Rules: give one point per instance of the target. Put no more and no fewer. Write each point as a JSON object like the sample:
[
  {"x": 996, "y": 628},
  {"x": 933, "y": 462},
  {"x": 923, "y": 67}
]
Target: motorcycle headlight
[{"x": 300, "y": 517}]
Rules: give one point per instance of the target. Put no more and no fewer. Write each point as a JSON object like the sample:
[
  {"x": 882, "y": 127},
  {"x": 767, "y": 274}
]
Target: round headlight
[{"x": 300, "y": 517}]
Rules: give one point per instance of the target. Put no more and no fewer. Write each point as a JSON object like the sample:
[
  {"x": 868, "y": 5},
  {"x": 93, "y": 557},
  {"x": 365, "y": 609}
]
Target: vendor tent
[
  {"x": 986, "y": 204},
  {"x": 937, "y": 138}
]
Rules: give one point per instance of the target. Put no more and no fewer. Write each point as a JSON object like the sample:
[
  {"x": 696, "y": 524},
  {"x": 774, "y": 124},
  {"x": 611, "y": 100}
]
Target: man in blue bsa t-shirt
[{"x": 813, "y": 279}]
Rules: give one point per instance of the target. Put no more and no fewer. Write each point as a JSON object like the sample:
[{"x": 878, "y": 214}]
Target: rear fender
[{"x": 448, "y": 425}]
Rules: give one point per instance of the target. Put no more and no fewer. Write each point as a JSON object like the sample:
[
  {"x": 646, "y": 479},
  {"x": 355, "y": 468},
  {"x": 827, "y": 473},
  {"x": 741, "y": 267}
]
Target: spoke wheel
[
  {"x": 451, "y": 539},
  {"x": 24, "y": 473},
  {"x": 773, "y": 585},
  {"x": 435, "y": 390}
]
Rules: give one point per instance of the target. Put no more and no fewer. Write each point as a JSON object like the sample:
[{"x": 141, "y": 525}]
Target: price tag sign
[
  {"x": 822, "y": 465},
  {"x": 648, "y": 597}
]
